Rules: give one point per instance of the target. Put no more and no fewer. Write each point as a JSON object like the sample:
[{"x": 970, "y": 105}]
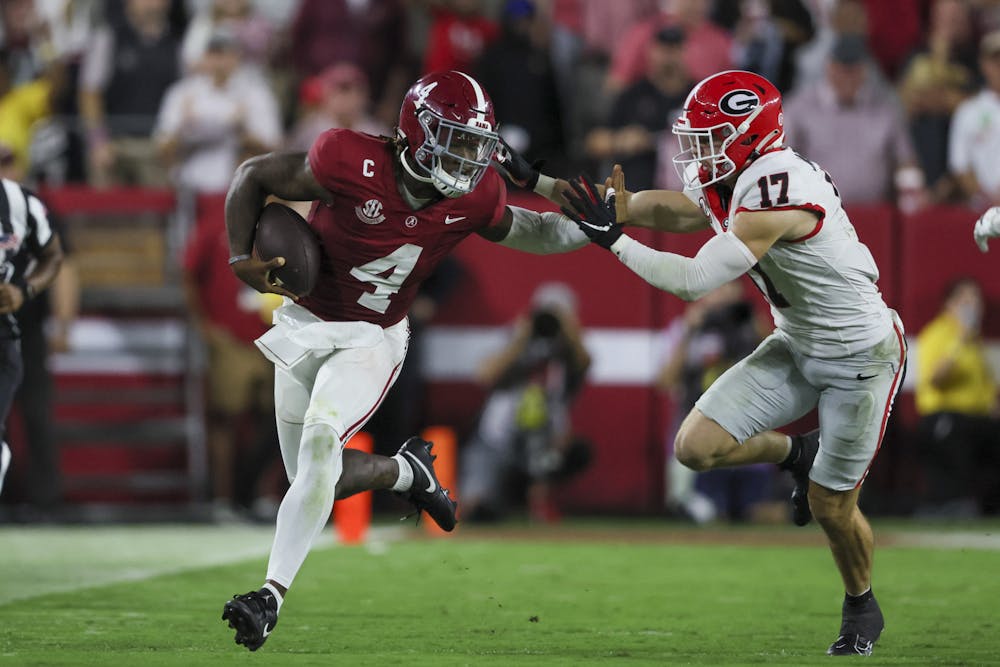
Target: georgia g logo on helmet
[{"x": 739, "y": 102}]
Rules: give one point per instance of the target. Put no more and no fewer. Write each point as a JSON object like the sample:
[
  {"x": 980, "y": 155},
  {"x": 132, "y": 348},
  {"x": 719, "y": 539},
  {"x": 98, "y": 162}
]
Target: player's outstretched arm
[
  {"x": 526, "y": 175},
  {"x": 283, "y": 174},
  {"x": 663, "y": 210},
  {"x": 987, "y": 227},
  {"x": 540, "y": 233},
  {"x": 724, "y": 258}
]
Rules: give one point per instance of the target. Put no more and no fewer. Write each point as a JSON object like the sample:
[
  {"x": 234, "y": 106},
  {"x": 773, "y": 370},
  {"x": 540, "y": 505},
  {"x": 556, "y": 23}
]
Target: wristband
[
  {"x": 546, "y": 186},
  {"x": 618, "y": 247},
  {"x": 237, "y": 258}
]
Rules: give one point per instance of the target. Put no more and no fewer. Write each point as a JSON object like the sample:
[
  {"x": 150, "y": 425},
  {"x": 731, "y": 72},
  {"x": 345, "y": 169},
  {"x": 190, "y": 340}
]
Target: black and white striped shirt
[{"x": 24, "y": 231}]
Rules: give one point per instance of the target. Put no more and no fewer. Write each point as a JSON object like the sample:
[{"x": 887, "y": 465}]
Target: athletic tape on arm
[
  {"x": 722, "y": 259},
  {"x": 543, "y": 233},
  {"x": 546, "y": 186}
]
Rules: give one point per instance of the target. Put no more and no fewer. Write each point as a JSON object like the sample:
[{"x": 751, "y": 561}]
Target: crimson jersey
[{"x": 376, "y": 249}]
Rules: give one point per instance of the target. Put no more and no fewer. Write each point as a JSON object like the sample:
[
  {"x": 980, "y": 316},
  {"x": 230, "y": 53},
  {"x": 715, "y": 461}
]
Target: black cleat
[
  {"x": 253, "y": 616},
  {"x": 426, "y": 493},
  {"x": 807, "y": 445},
  {"x": 851, "y": 644},
  {"x": 859, "y": 630}
]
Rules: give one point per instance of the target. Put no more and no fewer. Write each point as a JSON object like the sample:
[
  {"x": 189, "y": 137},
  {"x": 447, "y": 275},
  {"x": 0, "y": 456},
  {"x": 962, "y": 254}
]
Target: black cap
[
  {"x": 671, "y": 34},
  {"x": 849, "y": 49}
]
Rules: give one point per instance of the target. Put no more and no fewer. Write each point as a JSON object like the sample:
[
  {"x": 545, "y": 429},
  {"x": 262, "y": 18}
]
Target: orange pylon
[
  {"x": 445, "y": 465},
  {"x": 352, "y": 516}
]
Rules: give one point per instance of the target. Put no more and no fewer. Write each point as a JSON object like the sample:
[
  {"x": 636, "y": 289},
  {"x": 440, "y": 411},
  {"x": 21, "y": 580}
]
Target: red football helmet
[
  {"x": 729, "y": 119},
  {"x": 449, "y": 128}
]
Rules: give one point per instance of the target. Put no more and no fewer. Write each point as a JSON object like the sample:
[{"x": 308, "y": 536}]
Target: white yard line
[
  {"x": 946, "y": 540},
  {"x": 39, "y": 561}
]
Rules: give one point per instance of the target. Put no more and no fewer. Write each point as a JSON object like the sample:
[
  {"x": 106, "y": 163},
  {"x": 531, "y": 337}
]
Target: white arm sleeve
[
  {"x": 723, "y": 258},
  {"x": 543, "y": 233}
]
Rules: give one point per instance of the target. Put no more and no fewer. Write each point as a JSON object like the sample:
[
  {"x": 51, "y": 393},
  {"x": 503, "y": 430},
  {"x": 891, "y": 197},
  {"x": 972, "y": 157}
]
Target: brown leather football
[{"x": 281, "y": 232}]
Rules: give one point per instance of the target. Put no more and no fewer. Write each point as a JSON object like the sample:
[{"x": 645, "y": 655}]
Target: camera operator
[
  {"x": 713, "y": 334},
  {"x": 523, "y": 441}
]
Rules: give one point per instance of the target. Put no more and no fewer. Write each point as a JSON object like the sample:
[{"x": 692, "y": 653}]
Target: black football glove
[
  {"x": 595, "y": 218},
  {"x": 512, "y": 164}
]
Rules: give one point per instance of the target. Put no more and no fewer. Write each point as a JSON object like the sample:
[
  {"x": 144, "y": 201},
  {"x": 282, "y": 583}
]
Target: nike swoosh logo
[
  {"x": 431, "y": 486},
  {"x": 866, "y": 377},
  {"x": 267, "y": 630},
  {"x": 448, "y": 219}
]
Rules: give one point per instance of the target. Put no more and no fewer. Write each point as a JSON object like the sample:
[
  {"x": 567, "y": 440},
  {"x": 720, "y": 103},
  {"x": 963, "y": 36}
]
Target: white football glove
[{"x": 987, "y": 227}]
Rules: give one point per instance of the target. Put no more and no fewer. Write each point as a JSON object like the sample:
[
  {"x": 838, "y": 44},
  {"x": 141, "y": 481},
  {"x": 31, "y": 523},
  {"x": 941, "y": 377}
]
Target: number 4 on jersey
[{"x": 387, "y": 275}]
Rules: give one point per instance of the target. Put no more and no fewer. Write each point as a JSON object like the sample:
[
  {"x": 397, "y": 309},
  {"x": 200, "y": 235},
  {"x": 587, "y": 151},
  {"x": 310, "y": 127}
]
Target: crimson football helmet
[
  {"x": 729, "y": 120},
  {"x": 449, "y": 130}
]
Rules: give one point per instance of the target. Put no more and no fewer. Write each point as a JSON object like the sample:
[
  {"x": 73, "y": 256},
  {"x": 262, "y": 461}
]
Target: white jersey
[{"x": 821, "y": 286}]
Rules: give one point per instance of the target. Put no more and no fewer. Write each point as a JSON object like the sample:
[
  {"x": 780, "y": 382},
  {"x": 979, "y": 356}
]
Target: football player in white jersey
[
  {"x": 987, "y": 227},
  {"x": 836, "y": 346}
]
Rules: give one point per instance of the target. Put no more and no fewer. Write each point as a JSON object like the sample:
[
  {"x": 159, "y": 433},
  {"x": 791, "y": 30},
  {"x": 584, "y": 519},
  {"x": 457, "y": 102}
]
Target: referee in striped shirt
[{"x": 30, "y": 255}]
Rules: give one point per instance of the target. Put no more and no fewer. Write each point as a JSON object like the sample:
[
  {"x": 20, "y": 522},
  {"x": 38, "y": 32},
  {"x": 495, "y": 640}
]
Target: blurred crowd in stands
[{"x": 898, "y": 98}]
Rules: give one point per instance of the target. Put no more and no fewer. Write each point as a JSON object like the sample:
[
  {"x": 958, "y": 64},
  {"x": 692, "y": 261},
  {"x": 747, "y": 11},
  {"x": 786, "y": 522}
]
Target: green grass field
[{"x": 584, "y": 592}]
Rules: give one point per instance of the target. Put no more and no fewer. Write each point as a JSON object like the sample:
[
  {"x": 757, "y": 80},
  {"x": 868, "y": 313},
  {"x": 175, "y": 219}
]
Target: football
[{"x": 281, "y": 232}]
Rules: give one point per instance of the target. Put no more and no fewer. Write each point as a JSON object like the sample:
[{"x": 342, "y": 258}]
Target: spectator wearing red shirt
[
  {"x": 228, "y": 315},
  {"x": 458, "y": 35}
]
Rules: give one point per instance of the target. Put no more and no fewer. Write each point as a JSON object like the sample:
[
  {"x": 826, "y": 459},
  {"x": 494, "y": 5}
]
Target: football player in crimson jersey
[
  {"x": 837, "y": 346},
  {"x": 386, "y": 212}
]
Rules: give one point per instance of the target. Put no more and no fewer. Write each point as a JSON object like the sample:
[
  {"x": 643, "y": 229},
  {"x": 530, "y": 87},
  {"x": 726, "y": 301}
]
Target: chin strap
[
  {"x": 411, "y": 171},
  {"x": 743, "y": 127},
  {"x": 451, "y": 192},
  {"x": 774, "y": 145}
]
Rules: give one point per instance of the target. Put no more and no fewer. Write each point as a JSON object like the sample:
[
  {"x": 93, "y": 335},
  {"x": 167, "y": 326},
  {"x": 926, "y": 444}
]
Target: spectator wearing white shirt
[
  {"x": 974, "y": 140},
  {"x": 210, "y": 121}
]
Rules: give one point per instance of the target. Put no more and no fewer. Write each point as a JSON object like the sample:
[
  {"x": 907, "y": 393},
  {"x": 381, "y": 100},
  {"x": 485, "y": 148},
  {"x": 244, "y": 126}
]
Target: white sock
[
  {"x": 305, "y": 509},
  {"x": 279, "y": 598},
  {"x": 405, "y": 479}
]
